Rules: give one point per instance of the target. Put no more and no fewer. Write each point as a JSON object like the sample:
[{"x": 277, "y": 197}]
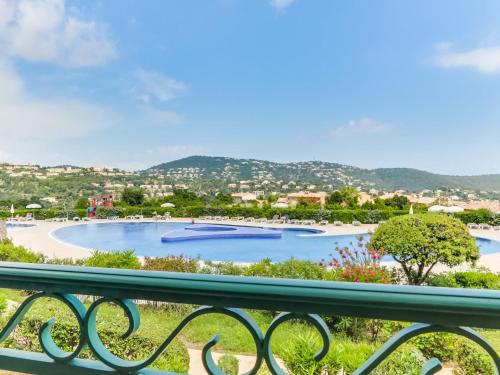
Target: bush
[
  {"x": 12, "y": 253},
  {"x": 439, "y": 345},
  {"x": 478, "y": 280},
  {"x": 115, "y": 259},
  {"x": 65, "y": 334},
  {"x": 345, "y": 356},
  {"x": 472, "y": 360},
  {"x": 229, "y": 364},
  {"x": 171, "y": 263},
  {"x": 290, "y": 269},
  {"x": 476, "y": 216},
  {"x": 466, "y": 279},
  {"x": 221, "y": 268}
]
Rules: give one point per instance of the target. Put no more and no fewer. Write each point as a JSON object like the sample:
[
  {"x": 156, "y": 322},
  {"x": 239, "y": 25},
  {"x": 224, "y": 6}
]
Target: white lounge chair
[
  {"x": 338, "y": 223},
  {"x": 323, "y": 222},
  {"x": 356, "y": 223}
]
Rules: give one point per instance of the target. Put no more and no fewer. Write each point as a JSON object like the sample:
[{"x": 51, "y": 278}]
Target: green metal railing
[{"x": 437, "y": 310}]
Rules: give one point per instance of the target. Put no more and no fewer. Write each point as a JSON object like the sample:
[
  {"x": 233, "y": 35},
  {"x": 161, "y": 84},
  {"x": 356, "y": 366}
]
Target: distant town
[{"x": 245, "y": 180}]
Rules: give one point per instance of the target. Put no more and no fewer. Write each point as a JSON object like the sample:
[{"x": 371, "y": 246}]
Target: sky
[{"x": 367, "y": 83}]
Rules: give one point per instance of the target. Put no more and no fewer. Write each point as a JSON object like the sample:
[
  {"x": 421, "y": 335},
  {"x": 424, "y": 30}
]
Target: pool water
[{"x": 145, "y": 239}]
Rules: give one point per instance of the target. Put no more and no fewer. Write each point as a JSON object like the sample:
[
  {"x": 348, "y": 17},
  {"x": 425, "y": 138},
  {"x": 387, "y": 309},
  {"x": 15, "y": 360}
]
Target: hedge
[{"x": 344, "y": 215}]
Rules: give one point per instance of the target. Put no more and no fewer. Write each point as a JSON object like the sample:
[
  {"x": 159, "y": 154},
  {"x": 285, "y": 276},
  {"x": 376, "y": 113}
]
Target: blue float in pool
[{"x": 211, "y": 231}]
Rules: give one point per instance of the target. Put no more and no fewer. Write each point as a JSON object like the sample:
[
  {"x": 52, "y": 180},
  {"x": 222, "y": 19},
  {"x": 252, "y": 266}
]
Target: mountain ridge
[{"x": 329, "y": 173}]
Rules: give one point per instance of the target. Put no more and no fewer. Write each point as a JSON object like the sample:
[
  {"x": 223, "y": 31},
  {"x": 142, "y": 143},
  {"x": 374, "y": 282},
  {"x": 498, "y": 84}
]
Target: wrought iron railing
[{"x": 437, "y": 310}]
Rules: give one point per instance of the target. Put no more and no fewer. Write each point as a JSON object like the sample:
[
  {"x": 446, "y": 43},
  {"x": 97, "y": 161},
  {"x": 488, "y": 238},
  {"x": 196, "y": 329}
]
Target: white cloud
[
  {"x": 162, "y": 117},
  {"x": 42, "y": 30},
  {"x": 360, "y": 126},
  {"x": 27, "y": 119},
  {"x": 280, "y": 4},
  {"x": 157, "y": 86},
  {"x": 484, "y": 59}
]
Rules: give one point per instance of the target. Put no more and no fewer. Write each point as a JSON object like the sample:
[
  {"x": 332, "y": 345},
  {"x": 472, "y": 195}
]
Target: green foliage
[
  {"x": 439, "y": 345},
  {"x": 132, "y": 196},
  {"x": 470, "y": 358},
  {"x": 419, "y": 242},
  {"x": 290, "y": 269},
  {"x": 345, "y": 357},
  {"x": 114, "y": 259},
  {"x": 229, "y": 364},
  {"x": 12, "y": 253},
  {"x": 398, "y": 201},
  {"x": 478, "y": 279},
  {"x": 82, "y": 203},
  {"x": 476, "y": 216},
  {"x": 65, "y": 334},
  {"x": 345, "y": 197},
  {"x": 171, "y": 263},
  {"x": 223, "y": 199},
  {"x": 184, "y": 198},
  {"x": 221, "y": 268}
]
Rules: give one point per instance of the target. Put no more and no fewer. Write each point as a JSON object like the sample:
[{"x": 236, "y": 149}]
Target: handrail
[
  {"x": 444, "y": 306},
  {"x": 436, "y": 310}
]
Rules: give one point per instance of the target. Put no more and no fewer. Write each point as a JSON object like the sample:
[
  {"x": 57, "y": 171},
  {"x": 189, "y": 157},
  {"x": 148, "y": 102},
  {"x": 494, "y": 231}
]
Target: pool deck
[{"x": 39, "y": 238}]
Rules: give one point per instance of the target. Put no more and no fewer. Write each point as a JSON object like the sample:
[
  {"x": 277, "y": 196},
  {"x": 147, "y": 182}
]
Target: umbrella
[
  {"x": 12, "y": 209},
  {"x": 436, "y": 208},
  {"x": 33, "y": 205},
  {"x": 165, "y": 205},
  {"x": 411, "y": 210},
  {"x": 453, "y": 209},
  {"x": 279, "y": 205}
]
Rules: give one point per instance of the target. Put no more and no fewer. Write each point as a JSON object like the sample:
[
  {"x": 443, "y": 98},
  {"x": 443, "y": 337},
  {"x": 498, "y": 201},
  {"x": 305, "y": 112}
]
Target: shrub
[
  {"x": 115, "y": 259},
  {"x": 479, "y": 279},
  {"x": 476, "y": 216},
  {"x": 221, "y": 268},
  {"x": 65, "y": 334},
  {"x": 345, "y": 356},
  {"x": 171, "y": 263},
  {"x": 290, "y": 269},
  {"x": 12, "y": 253},
  {"x": 229, "y": 364},
  {"x": 472, "y": 360},
  {"x": 358, "y": 263},
  {"x": 439, "y": 345}
]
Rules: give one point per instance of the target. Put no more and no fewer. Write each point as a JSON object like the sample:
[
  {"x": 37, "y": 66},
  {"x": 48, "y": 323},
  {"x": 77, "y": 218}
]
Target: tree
[
  {"x": 82, "y": 203},
  {"x": 222, "y": 199},
  {"x": 345, "y": 197},
  {"x": 133, "y": 196},
  {"x": 398, "y": 201},
  {"x": 419, "y": 242}
]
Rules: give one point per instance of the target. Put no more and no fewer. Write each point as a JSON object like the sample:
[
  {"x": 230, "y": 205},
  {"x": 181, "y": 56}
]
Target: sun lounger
[
  {"x": 323, "y": 222},
  {"x": 473, "y": 226},
  {"x": 250, "y": 219},
  {"x": 484, "y": 226},
  {"x": 356, "y": 223},
  {"x": 338, "y": 223}
]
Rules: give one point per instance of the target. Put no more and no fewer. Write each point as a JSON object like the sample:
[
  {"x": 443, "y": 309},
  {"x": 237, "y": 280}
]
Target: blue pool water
[{"x": 145, "y": 239}]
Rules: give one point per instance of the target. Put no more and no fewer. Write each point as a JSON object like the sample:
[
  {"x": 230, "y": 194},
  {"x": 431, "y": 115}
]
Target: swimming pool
[{"x": 145, "y": 239}]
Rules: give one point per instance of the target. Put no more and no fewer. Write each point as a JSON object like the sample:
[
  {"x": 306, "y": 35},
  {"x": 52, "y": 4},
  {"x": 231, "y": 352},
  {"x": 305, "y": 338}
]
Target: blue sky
[{"x": 367, "y": 83}]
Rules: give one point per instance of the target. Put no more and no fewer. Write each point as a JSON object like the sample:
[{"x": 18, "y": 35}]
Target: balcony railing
[{"x": 436, "y": 310}]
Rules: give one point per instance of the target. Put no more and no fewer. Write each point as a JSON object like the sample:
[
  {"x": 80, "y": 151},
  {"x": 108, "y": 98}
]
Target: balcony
[{"x": 435, "y": 310}]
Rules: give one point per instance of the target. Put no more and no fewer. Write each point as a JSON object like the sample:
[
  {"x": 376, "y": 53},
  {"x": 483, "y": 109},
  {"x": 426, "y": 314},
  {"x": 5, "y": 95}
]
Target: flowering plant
[{"x": 358, "y": 262}]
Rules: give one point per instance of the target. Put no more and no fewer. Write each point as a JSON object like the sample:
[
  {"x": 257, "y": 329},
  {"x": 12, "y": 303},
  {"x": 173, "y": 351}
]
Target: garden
[{"x": 417, "y": 242}]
